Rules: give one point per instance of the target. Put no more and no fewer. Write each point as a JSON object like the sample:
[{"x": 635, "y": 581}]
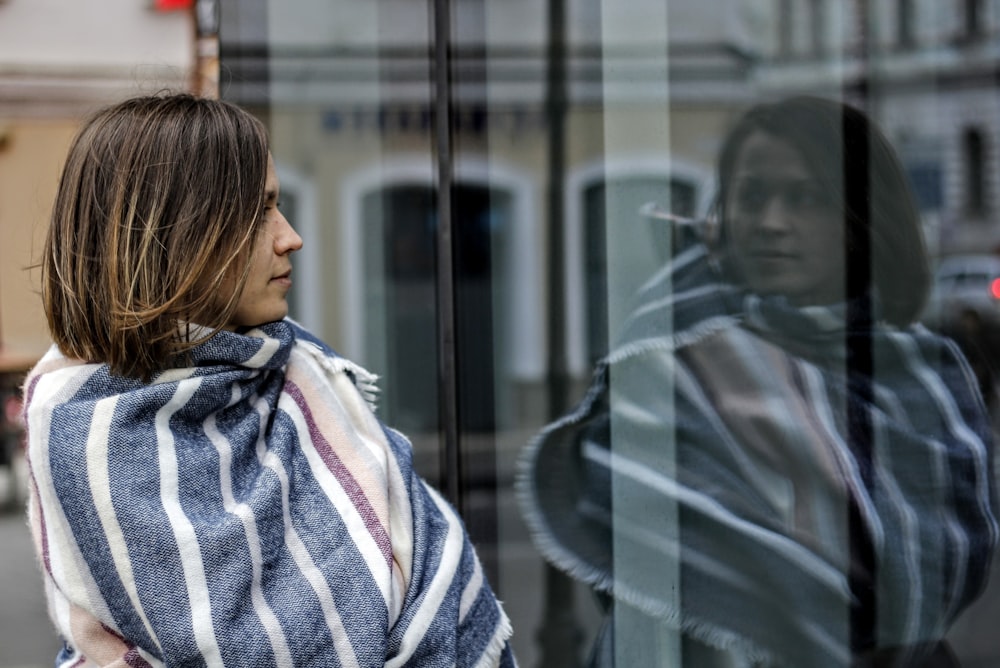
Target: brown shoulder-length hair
[
  {"x": 154, "y": 221},
  {"x": 854, "y": 160}
]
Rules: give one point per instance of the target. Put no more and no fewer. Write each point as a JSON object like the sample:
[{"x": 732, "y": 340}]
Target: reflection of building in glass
[
  {"x": 348, "y": 92},
  {"x": 926, "y": 72},
  {"x": 348, "y": 89}
]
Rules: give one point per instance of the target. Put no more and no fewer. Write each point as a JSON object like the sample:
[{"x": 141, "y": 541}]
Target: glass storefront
[{"x": 513, "y": 207}]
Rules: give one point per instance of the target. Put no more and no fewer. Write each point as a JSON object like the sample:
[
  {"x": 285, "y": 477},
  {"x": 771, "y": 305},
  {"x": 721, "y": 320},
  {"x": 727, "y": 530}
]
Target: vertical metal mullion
[
  {"x": 559, "y": 635},
  {"x": 556, "y": 104},
  {"x": 863, "y": 576},
  {"x": 445, "y": 267}
]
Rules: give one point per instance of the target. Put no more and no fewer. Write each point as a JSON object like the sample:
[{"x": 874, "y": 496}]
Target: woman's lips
[{"x": 767, "y": 255}]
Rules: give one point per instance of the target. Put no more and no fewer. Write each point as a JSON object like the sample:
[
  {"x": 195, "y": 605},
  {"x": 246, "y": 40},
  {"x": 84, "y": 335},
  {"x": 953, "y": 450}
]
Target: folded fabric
[
  {"x": 730, "y": 459},
  {"x": 248, "y": 509}
]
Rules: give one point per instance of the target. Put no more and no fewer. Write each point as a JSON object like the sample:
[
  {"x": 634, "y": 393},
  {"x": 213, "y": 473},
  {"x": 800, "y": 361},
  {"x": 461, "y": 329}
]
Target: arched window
[
  {"x": 973, "y": 18},
  {"x": 399, "y": 227},
  {"x": 817, "y": 27},
  {"x": 786, "y": 28},
  {"x": 974, "y": 162},
  {"x": 905, "y": 23},
  {"x": 623, "y": 248}
]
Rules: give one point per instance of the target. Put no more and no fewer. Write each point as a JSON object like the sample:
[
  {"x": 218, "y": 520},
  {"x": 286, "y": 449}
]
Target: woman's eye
[
  {"x": 751, "y": 198},
  {"x": 806, "y": 197}
]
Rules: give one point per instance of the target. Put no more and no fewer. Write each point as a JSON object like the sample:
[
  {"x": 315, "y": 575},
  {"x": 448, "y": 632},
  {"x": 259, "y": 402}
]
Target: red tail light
[
  {"x": 171, "y": 5},
  {"x": 995, "y": 288}
]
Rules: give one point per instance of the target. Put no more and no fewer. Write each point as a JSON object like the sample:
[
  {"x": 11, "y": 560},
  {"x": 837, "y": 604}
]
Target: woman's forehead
[
  {"x": 271, "y": 180},
  {"x": 771, "y": 154}
]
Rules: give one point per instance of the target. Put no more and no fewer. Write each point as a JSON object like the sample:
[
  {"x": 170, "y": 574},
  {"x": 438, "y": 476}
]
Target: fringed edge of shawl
[
  {"x": 565, "y": 560},
  {"x": 498, "y": 643},
  {"x": 682, "y": 339},
  {"x": 364, "y": 380}
]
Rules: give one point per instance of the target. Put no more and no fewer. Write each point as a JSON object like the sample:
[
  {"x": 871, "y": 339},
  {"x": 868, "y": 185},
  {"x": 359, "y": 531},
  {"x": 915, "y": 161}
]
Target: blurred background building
[
  {"x": 533, "y": 131},
  {"x": 58, "y": 62}
]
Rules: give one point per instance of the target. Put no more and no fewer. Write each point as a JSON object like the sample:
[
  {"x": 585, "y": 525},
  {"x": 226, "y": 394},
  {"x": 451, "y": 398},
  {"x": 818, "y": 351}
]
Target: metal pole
[
  {"x": 556, "y": 106},
  {"x": 863, "y": 577},
  {"x": 559, "y": 635},
  {"x": 445, "y": 268}
]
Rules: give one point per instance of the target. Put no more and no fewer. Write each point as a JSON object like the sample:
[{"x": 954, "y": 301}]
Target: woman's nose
[
  {"x": 286, "y": 239},
  {"x": 774, "y": 216}
]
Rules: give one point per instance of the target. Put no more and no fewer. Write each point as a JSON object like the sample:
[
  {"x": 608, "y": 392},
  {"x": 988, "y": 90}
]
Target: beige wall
[
  {"x": 59, "y": 61},
  {"x": 31, "y": 156}
]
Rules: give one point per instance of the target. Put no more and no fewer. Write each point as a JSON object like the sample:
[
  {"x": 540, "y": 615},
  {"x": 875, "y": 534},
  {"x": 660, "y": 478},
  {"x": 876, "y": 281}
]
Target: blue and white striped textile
[{"x": 246, "y": 510}]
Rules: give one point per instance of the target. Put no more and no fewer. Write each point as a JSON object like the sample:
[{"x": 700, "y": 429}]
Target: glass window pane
[{"x": 725, "y": 304}]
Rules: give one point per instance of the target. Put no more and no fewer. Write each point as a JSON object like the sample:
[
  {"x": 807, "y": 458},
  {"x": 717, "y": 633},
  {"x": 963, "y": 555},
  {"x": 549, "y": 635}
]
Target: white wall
[
  {"x": 59, "y": 57},
  {"x": 109, "y": 33}
]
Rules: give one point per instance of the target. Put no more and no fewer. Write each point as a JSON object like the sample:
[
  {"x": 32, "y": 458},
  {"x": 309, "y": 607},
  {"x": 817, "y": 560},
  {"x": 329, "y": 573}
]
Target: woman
[
  {"x": 788, "y": 468},
  {"x": 210, "y": 485}
]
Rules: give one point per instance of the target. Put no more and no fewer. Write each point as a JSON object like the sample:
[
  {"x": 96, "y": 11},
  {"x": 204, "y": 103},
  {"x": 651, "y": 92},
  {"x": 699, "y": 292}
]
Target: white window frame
[
  {"x": 595, "y": 173},
  {"x": 525, "y": 322}
]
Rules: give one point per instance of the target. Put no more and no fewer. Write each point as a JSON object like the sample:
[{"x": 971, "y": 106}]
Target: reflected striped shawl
[
  {"x": 720, "y": 450},
  {"x": 249, "y": 510}
]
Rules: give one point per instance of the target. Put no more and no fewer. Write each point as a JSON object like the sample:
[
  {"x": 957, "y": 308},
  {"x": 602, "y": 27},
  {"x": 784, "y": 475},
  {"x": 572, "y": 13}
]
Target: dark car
[
  {"x": 964, "y": 305},
  {"x": 964, "y": 284}
]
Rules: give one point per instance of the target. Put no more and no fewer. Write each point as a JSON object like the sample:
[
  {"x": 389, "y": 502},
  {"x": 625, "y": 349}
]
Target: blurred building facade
[
  {"x": 349, "y": 92},
  {"x": 650, "y": 87},
  {"x": 59, "y": 61}
]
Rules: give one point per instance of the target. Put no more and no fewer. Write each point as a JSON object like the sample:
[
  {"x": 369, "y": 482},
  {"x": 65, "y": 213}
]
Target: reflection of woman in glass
[{"x": 788, "y": 469}]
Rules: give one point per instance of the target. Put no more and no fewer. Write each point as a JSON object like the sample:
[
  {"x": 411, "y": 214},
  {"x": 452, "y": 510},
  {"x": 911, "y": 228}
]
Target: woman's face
[
  {"x": 786, "y": 231},
  {"x": 263, "y": 299}
]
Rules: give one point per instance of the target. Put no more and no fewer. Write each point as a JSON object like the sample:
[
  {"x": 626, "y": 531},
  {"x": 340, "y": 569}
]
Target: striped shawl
[
  {"x": 743, "y": 466},
  {"x": 249, "y": 510}
]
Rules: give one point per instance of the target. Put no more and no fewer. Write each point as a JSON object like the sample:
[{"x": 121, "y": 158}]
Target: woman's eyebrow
[{"x": 780, "y": 180}]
